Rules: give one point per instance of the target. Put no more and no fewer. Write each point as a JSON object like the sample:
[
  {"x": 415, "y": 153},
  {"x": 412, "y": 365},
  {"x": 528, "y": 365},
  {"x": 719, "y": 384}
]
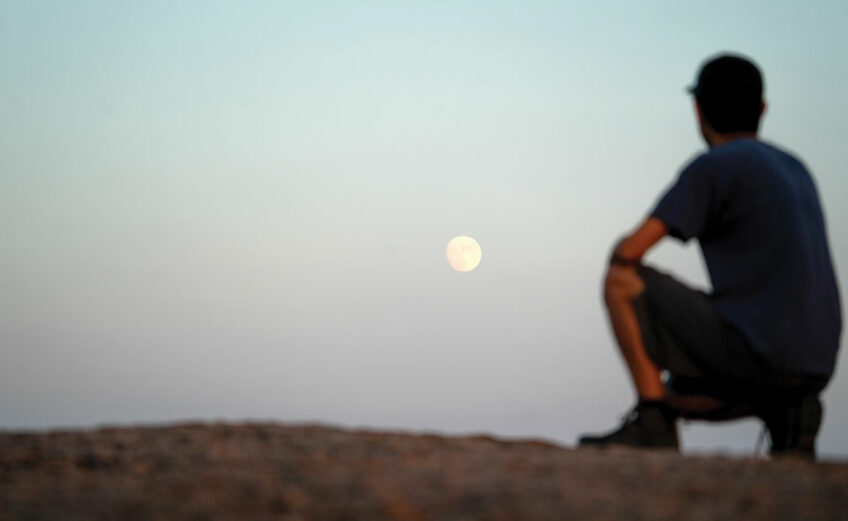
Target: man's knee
[{"x": 622, "y": 284}]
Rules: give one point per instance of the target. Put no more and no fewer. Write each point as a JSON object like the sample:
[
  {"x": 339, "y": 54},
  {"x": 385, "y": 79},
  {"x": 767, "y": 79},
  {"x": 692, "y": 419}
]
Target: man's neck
[{"x": 718, "y": 138}]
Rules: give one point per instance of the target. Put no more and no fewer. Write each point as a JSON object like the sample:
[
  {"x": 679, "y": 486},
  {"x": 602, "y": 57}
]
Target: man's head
[{"x": 729, "y": 97}]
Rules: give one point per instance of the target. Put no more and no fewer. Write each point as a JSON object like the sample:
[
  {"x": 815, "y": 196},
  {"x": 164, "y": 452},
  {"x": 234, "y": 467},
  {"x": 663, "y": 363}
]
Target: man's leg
[
  {"x": 652, "y": 422},
  {"x": 621, "y": 287}
]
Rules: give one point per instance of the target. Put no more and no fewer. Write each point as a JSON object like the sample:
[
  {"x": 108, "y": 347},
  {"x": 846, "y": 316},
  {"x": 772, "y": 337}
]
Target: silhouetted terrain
[{"x": 312, "y": 473}]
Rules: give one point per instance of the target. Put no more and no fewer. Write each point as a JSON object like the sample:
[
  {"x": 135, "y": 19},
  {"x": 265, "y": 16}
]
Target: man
[{"x": 764, "y": 342}]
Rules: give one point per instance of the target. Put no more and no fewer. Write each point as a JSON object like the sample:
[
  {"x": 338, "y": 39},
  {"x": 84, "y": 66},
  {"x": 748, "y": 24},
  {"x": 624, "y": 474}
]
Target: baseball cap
[{"x": 728, "y": 76}]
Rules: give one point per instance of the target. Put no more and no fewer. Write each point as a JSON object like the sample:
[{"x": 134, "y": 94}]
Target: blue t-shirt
[{"x": 756, "y": 213}]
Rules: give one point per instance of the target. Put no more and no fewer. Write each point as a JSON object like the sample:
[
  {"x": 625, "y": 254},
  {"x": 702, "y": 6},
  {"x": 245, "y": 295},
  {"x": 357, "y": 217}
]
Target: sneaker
[
  {"x": 648, "y": 425},
  {"x": 793, "y": 426}
]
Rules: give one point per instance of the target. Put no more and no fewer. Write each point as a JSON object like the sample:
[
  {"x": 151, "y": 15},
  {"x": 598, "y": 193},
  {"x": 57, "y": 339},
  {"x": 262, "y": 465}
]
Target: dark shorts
[{"x": 684, "y": 334}]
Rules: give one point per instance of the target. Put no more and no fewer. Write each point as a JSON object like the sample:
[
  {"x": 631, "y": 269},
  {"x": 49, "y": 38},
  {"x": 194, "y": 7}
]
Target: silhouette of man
[{"x": 764, "y": 342}]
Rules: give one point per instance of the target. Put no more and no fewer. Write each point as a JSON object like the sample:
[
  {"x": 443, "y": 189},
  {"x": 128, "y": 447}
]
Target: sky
[{"x": 239, "y": 210}]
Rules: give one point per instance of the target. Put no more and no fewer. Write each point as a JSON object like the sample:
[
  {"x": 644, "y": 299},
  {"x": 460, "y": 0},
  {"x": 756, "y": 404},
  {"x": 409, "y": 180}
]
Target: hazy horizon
[{"x": 227, "y": 211}]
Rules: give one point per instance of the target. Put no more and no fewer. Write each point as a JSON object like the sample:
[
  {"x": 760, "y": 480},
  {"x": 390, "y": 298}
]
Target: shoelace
[{"x": 630, "y": 416}]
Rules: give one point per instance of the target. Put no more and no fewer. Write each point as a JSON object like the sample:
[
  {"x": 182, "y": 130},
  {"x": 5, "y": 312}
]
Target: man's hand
[{"x": 631, "y": 249}]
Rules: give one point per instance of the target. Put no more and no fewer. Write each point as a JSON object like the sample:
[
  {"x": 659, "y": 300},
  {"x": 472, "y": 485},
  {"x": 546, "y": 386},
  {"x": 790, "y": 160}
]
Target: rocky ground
[{"x": 313, "y": 473}]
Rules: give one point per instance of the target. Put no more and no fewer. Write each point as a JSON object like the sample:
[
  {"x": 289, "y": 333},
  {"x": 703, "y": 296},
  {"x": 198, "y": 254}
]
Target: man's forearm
[{"x": 630, "y": 249}]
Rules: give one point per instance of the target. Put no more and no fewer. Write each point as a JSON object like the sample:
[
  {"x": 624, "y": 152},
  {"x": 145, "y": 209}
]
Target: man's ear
[
  {"x": 699, "y": 112},
  {"x": 706, "y": 130},
  {"x": 763, "y": 107}
]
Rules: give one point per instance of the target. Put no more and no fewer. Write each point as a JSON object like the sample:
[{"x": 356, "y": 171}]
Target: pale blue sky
[{"x": 239, "y": 209}]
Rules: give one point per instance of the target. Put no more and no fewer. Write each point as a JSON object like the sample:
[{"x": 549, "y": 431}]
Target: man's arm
[{"x": 630, "y": 250}]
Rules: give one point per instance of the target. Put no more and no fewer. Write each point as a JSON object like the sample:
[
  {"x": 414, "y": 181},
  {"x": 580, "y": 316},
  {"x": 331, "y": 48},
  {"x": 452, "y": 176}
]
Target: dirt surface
[{"x": 313, "y": 473}]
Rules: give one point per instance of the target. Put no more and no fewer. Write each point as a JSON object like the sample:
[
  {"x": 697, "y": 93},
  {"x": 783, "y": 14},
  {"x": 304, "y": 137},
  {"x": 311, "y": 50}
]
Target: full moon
[{"x": 463, "y": 253}]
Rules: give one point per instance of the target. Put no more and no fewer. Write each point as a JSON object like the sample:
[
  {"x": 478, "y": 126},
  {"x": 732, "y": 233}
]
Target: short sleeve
[{"x": 685, "y": 207}]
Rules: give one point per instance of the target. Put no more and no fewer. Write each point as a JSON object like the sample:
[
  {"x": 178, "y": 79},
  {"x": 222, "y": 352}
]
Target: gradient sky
[{"x": 239, "y": 210}]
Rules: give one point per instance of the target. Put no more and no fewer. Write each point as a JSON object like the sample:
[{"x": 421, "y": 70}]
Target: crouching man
[{"x": 764, "y": 342}]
